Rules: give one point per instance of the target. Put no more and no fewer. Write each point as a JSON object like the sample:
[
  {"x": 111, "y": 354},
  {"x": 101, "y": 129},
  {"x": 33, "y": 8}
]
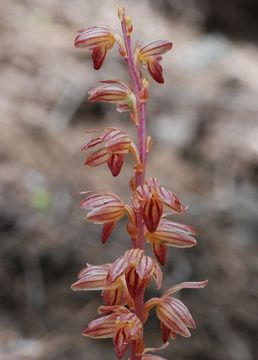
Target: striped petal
[
  {"x": 98, "y": 56},
  {"x": 165, "y": 332},
  {"x": 160, "y": 252},
  {"x": 186, "y": 285},
  {"x": 147, "y": 356},
  {"x": 183, "y": 312},
  {"x": 118, "y": 268},
  {"x": 166, "y": 196},
  {"x": 115, "y": 163},
  {"x": 145, "y": 266},
  {"x": 154, "y": 48},
  {"x": 107, "y": 231},
  {"x": 121, "y": 343},
  {"x": 114, "y": 296},
  {"x": 151, "y": 213},
  {"x": 96, "y": 200},
  {"x": 169, "y": 317},
  {"x": 104, "y": 327},
  {"x": 106, "y": 214},
  {"x": 169, "y": 233},
  {"x": 92, "y": 278},
  {"x": 155, "y": 70},
  {"x": 97, "y": 158}
]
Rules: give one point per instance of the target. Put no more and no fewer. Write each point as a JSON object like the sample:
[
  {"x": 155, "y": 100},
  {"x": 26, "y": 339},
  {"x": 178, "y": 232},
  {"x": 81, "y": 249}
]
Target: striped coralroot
[{"x": 123, "y": 282}]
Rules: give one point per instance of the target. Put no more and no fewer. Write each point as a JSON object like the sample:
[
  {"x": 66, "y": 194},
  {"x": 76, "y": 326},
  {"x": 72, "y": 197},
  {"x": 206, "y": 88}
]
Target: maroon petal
[
  {"x": 98, "y": 56},
  {"x": 107, "y": 230},
  {"x": 160, "y": 252},
  {"x": 165, "y": 331},
  {"x": 155, "y": 70},
  {"x": 120, "y": 342},
  {"x": 152, "y": 212},
  {"x": 115, "y": 163}
]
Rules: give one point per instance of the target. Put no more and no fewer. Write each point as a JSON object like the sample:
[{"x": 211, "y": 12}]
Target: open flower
[
  {"x": 138, "y": 270},
  {"x": 114, "y": 145},
  {"x": 120, "y": 324},
  {"x": 117, "y": 92},
  {"x": 169, "y": 233},
  {"x": 94, "y": 277},
  {"x": 105, "y": 208},
  {"x": 150, "y": 56},
  {"x": 99, "y": 39},
  {"x": 150, "y": 198},
  {"x": 174, "y": 316}
]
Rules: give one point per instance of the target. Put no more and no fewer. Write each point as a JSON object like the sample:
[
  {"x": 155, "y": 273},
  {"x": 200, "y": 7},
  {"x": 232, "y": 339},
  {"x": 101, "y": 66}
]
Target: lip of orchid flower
[
  {"x": 150, "y": 56},
  {"x": 99, "y": 39},
  {"x": 174, "y": 316},
  {"x": 120, "y": 324},
  {"x": 117, "y": 92},
  {"x": 150, "y": 198},
  {"x": 169, "y": 233},
  {"x": 114, "y": 145}
]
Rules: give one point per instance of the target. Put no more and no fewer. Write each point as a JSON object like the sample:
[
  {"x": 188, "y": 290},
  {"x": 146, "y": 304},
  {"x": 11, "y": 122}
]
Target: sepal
[
  {"x": 105, "y": 207},
  {"x": 169, "y": 233},
  {"x": 92, "y": 278}
]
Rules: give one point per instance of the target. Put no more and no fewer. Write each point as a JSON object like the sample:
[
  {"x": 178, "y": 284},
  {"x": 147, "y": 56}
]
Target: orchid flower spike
[{"x": 123, "y": 281}]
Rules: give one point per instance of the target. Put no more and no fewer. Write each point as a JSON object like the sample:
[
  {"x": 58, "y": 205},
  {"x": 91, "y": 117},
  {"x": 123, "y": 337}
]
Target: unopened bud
[
  {"x": 149, "y": 143},
  {"x": 122, "y": 49},
  {"x": 121, "y": 12},
  {"x": 132, "y": 230},
  {"x": 144, "y": 94},
  {"x": 132, "y": 184},
  {"x": 129, "y": 25}
]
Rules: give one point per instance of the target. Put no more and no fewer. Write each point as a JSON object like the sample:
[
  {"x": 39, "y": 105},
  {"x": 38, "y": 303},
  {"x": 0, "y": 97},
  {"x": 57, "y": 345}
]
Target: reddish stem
[{"x": 139, "y": 175}]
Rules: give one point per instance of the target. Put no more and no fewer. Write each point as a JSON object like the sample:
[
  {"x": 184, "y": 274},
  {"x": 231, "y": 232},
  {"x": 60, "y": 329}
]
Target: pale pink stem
[{"x": 139, "y": 176}]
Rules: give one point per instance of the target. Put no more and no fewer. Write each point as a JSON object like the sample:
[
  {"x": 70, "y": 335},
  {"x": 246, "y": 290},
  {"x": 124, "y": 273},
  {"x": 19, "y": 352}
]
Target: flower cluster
[{"x": 123, "y": 282}]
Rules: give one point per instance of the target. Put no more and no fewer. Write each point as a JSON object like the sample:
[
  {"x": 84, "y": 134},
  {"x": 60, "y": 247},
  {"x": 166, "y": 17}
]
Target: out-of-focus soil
[{"x": 205, "y": 129}]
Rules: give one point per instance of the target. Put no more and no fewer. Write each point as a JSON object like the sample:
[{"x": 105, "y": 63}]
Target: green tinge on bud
[{"x": 129, "y": 25}]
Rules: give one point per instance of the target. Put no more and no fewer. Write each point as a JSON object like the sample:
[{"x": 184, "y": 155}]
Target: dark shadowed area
[{"x": 205, "y": 129}]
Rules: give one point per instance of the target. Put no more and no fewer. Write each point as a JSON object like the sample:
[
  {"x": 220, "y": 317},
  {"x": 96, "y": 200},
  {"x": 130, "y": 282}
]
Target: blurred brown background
[{"x": 204, "y": 122}]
